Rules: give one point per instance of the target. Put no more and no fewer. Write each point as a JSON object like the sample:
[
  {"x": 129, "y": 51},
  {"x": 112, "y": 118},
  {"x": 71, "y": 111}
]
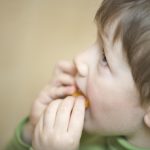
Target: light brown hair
[{"x": 134, "y": 30}]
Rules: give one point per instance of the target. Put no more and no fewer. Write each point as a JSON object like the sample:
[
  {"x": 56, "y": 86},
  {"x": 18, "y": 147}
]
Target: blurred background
[{"x": 34, "y": 35}]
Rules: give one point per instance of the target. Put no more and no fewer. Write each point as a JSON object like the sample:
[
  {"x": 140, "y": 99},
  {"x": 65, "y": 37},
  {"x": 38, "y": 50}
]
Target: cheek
[
  {"x": 112, "y": 109},
  {"x": 98, "y": 104},
  {"x": 100, "y": 97},
  {"x": 107, "y": 96}
]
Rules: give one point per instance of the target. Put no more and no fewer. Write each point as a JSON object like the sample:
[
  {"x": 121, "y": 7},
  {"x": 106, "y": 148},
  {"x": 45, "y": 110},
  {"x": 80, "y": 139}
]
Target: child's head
[{"x": 114, "y": 73}]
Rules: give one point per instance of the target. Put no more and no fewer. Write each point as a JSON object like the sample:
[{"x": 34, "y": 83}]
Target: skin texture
[
  {"x": 57, "y": 119},
  {"x": 78, "y": 93},
  {"x": 105, "y": 77}
]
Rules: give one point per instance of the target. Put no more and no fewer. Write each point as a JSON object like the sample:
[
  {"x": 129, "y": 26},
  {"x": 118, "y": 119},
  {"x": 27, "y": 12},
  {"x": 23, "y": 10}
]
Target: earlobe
[{"x": 147, "y": 119}]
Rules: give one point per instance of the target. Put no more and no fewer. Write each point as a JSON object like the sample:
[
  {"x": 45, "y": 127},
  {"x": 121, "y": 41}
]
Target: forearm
[{"x": 26, "y": 134}]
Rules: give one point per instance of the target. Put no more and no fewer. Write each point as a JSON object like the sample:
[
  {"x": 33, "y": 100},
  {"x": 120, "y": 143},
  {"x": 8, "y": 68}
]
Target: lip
[
  {"x": 80, "y": 89},
  {"x": 82, "y": 93},
  {"x": 86, "y": 101}
]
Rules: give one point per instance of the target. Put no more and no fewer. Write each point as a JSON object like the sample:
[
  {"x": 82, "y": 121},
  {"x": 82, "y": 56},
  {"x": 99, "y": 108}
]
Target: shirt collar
[{"x": 120, "y": 143}]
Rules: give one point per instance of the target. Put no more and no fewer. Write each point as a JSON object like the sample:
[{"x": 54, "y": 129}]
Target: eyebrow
[
  {"x": 100, "y": 38},
  {"x": 101, "y": 43},
  {"x": 117, "y": 33}
]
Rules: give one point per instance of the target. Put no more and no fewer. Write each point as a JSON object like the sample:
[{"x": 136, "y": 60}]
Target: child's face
[{"x": 114, "y": 100}]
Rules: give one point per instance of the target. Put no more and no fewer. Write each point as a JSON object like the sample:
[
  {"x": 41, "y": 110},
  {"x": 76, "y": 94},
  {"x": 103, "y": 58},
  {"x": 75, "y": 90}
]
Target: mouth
[{"x": 79, "y": 93}]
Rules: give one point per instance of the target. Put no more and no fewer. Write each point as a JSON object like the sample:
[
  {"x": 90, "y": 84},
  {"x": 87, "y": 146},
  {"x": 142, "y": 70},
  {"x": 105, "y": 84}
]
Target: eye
[{"x": 104, "y": 59}]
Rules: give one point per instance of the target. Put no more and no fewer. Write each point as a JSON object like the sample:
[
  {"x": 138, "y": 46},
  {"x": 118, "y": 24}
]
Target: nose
[{"x": 81, "y": 64}]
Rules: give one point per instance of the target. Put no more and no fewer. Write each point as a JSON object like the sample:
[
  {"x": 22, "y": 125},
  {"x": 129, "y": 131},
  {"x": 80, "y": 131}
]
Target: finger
[
  {"x": 63, "y": 115},
  {"x": 77, "y": 118},
  {"x": 40, "y": 104},
  {"x": 63, "y": 91},
  {"x": 45, "y": 95},
  {"x": 64, "y": 79},
  {"x": 66, "y": 66},
  {"x": 50, "y": 115},
  {"x": 35, "y": 115}
]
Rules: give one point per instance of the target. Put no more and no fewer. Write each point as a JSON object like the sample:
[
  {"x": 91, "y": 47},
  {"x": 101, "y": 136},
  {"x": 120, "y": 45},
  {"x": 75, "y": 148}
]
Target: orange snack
[{"x": 77, "y": 93}]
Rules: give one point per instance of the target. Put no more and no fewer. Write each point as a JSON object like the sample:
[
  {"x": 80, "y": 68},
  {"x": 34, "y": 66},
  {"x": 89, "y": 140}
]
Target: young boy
[{"x": 113, "y": 74}]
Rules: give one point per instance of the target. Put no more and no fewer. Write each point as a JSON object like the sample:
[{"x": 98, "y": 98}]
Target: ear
[{"x": 147, "y": 117}]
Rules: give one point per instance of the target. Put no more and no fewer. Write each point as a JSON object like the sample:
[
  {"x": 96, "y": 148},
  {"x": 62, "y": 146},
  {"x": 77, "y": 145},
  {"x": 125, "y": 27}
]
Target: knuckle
[{"x": 53, "y": 103}]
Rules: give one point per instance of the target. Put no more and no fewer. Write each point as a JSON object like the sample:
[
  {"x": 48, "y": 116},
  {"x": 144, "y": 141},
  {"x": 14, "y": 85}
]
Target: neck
[{"x": 140, "y": 138}]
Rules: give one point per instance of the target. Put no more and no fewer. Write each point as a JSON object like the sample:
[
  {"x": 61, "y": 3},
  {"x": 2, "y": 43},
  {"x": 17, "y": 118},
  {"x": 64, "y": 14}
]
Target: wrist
[{"x": 27, "y": 132}]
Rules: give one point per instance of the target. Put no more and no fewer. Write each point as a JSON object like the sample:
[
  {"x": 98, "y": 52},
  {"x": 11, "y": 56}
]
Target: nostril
[{"x": 81, "y": 66}]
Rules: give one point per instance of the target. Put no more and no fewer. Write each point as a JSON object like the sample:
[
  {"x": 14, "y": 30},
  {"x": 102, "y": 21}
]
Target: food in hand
[{"x": 77, "y": 93}]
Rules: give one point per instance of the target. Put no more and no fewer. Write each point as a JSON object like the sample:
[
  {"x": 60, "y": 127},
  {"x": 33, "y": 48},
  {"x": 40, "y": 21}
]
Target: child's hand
[
  {"x": 61, "y": 85},
  {"x": 60, "y": 126}
]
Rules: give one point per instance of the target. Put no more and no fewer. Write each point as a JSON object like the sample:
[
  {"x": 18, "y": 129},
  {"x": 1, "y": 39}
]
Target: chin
[
  {"x": 91, "y": 128},
  {"x": 88, "y": 127}
]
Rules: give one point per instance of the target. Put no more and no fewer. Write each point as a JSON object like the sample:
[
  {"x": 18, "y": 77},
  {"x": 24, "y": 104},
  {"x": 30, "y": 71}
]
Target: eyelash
[{"x": 104, "y": 59}]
